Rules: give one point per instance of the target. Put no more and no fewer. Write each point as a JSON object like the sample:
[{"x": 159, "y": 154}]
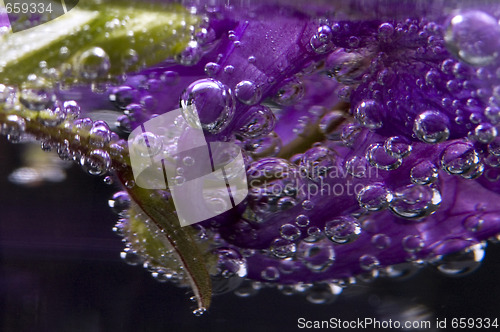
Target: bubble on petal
[
  {"x": 485, "y": 133},
  {"x": 378, "y": 157},
  {"x": 474, "y": 37},
  {"x": 423, "y": 173},
  {"x": 368, "y": 262},
  {"x": 369, "y": 114},
  {"x": 397, "y": 146},
  {"x": 461, "y": 262},
  {"x": 292, "y": 91},
  {"x": 374, "y": 197},
  {"x": 431, "y": 127},
  {"x": 212, "y": 101},
  {"x": 342, "y": 230},
  {"x": 317, "y": 257},
  {"x": 460, "y": 158},
  {"x": 381, "y": 241},
  {"x": 415, "y": 201},
  {"x": 321, "y": 42},
  {"x": 248, "y": 92}
]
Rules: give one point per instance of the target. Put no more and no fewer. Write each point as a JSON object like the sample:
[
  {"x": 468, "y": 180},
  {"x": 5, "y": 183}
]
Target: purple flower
[{"x": 370, "y": 134}]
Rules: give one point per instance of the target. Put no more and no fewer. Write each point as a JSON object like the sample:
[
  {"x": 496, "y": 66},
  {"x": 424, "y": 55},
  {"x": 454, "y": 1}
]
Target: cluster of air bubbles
[
  {"x": 378, "y": 157},
  {"x": 275, "y": 186},
  {"x": 321, "y": 42}
]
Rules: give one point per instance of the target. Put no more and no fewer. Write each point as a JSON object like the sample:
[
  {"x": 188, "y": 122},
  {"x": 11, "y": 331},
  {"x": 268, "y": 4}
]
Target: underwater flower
[{"x": 369, "y": 134}]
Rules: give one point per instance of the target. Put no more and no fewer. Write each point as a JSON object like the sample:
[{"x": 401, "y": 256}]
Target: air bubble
[
  {"x": 292, "y": 91},
  {"x": 342, "y": 230},
  {"x": 397, "y": 147},
  {"x": 147, "y": 144},
  {"x": 98, "y": 162},
  {"x": 191, "y": 54},
  {"x": 120, "y": 203},
  {"x": 302, "y": 220},
  {"x": 459, "y": 263},
  {"x": 317, "y": 257},
  {"x": 385, "y": 30},
  {"x": 368, "y": 262},
  {"x": 381, "y": 241},
  {"x": 485, "y": 133},
  {"x": 356, "y": 166},
  {"x": 378, "y": 157},
  {"x": 369, "y": 114},
  {"x": 211, "y": 102},
  {"x": 316, "y": 162},
  {"x": 415, "y": 201},
  {"x": 258, "y": 121},
  {"x": 289, "y": 232},
  {"x": 93, "y": 64},
  {"x": 431, "y": 127},
  {"x": 374, "y": 197},
  {"x": 460, "y": 159},
  {"x": 248, "y": 92},
  {"x": 211, "y": 69},
  {"x": 412, "y": 243},
  {"x": 323, "y": 293},
  {"x": 321, "y": 42},
  {"x": 36, "y": 94},
  {"x": 270, "y": 273},
  {"x": 282, "y": 248},
  {"x": 424, "y": 173},
  {"x": 474, "y": 37}
]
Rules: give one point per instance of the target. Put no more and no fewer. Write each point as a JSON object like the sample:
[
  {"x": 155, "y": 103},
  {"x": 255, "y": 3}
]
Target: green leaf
[
  {"x": 153, "y": 230},
  {"x": 95, "y": 42}
]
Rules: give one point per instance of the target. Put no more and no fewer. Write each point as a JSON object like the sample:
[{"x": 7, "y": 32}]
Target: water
[{"x": 248, "y": 103}]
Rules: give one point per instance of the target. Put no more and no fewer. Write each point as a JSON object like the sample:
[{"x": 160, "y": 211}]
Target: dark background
[{"x": 60, "y": 270}]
